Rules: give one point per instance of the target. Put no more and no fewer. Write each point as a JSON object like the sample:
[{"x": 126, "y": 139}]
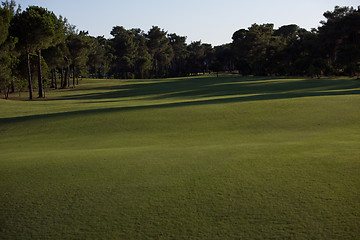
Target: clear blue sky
[{"x": 211, "y": 21}]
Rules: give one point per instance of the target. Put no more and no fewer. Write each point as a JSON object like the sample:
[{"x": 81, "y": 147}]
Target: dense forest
[{"x": 42, "y": 49}]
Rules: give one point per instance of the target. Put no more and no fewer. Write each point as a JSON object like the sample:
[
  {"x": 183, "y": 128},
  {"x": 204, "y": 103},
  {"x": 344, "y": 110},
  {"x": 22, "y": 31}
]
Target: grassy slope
[{"x": 196, "y": 158}]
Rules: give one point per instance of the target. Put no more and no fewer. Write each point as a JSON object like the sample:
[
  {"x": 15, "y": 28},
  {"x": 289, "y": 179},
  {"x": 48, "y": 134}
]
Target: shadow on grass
[
  {"x": 214, "y": 87},
  {"x": 225, "y": 89}
]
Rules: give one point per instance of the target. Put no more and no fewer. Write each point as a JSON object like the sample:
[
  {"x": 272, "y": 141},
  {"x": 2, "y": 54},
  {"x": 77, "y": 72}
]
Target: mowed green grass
[{"x": 191, "y": 158}]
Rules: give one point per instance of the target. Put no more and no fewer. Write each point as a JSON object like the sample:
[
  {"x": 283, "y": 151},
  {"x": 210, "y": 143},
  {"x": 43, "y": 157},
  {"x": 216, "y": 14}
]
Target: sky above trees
[{"x": 211, "y": 21}]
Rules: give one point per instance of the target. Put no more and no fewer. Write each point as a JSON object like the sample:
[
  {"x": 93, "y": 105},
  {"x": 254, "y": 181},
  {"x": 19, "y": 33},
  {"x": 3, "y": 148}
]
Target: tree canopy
[{"x": 64, "y": 52}]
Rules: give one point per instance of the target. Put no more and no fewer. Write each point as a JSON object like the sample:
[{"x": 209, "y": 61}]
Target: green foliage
[
  {"x": 11, "y": 6},
  {"x": 160, "y": 50},
  {"x": 263, "y": 50},
  {"x": 143, "y": 64},
  {"x": 4, "y": 24},
  {"x": 79, "y": 46},
  {"x": 199, "y": 57},
  {"x": 215, "y": 67},
  {"x": 35, "y": 28},
  {"x": 332, "y": 49},
  {"x": 97, "y": 60},
  {"x": 178, "y": 44},
  {"x": 79, "y": 50},
  {"x": 55, "y": 56},
  {"x": 243, "y": 66},
  {"x": 294, "y": 51},
  {"x": 8, "y": 64},
  {"x": 340, "y": 37},
  {"x": 224, "y": 55},
  {"x": 7, "y": 45},
  {"x": 124, "y": 47}
]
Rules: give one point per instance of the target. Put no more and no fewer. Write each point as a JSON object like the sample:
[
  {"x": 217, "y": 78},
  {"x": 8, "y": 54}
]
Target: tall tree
[
  {"x": 160, "y": 50},
  {"x": 97, "y": 59},
  {"x": 225, "y": 58},
  {"x": 142, "y": 55},
  {"x": 178, "y": 64},
  {"x": 55, "y": 58},
  {"x": 124, "y": 50},
  {"x": 260, "y": 36},
  {"x": 290, "y": 37},
  {"x": 340, "y": 38},
  {"x": 240, "y": 46},
  {"x": 8, "y": 48},
  {"x": 36, "y": 28},
  {"x": 262, "y": 50},
  {"x": 200, "y": 56},
  {"x": 4, "y": 50},
  {"x": 4, "y": 24},
  {"x": 79, "y": 46}
]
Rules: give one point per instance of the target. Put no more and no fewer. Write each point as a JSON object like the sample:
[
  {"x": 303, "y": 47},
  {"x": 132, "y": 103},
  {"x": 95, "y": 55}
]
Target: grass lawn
[{"x": 187, "y": 158}]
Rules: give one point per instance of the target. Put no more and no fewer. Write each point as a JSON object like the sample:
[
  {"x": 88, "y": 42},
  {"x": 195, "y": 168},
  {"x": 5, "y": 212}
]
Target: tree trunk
[
  {"x": 40, "y": 82},
  {"x": 67, "y": 76},
  {"x": 7, "y": 91},
  {"x": 12, "y": 86},
  {"x": 52, "y": 78},
  {"x": 29, "y": 75},
  {"x": 74, "y": 80},
  {"x": 55, "y": 81},
  {"x": 156, "y": 65},
  {"x": 61, "y": 78},
  {"x": 63, "y": 75}
]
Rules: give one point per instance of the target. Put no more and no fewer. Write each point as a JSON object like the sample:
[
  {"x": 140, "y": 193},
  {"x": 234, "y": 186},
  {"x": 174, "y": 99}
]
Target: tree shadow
[
  {"x": 197, "y": 91},
  {"x": 225, "y": 86}
]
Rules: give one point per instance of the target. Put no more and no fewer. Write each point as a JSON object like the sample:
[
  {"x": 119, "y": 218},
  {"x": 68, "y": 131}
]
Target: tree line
[{"x": 39, "y": 48}]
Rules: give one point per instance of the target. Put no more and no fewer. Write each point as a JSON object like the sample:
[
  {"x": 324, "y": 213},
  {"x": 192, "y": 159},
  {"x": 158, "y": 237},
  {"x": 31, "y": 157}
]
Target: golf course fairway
[{"x": 184, "y": 158}]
